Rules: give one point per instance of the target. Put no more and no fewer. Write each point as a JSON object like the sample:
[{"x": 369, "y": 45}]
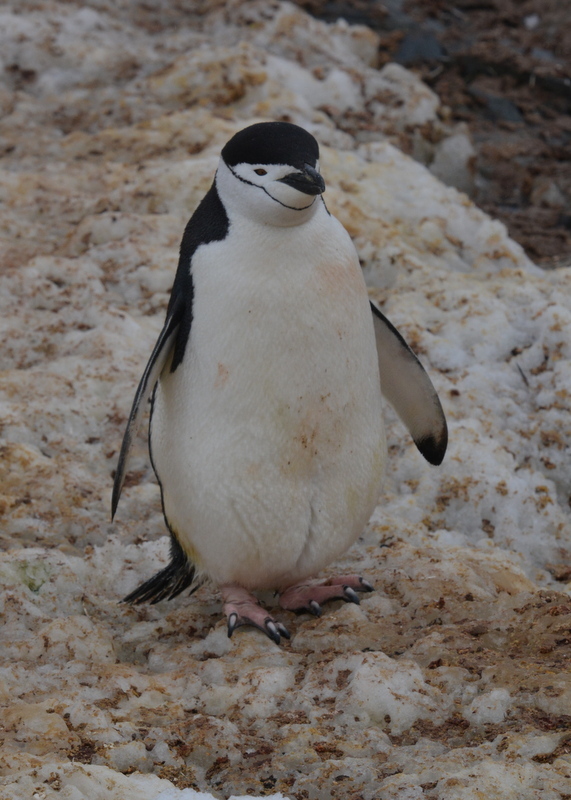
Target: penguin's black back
[{"x": 209, "y": 223}]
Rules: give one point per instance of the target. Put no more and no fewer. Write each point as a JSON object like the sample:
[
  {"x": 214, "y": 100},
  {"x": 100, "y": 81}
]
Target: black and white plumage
[{"x": 266, "y": 430}]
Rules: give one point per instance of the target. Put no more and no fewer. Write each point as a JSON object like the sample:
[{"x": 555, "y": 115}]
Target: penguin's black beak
[{"x": 308, "y": 180}]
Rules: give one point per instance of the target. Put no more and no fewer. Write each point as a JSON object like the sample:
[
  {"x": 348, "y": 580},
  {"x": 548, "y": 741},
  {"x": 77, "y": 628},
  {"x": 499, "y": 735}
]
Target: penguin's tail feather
[{"x": 169, "y": 582}]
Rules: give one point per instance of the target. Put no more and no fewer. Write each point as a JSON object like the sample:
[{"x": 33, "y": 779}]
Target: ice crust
[{"x": 452, "y": 679}]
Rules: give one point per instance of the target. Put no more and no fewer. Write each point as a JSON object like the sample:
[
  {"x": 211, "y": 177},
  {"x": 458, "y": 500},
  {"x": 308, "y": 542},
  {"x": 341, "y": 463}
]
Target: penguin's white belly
[{"x": 268, "y": 438}]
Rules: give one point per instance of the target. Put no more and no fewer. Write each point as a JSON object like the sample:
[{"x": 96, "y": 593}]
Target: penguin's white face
[
  {"x": 286, "y": 185},
  {"x": 272, "y": 194}
]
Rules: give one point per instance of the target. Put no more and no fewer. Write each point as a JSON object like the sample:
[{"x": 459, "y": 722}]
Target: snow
[{"x": 451, "y": 679}]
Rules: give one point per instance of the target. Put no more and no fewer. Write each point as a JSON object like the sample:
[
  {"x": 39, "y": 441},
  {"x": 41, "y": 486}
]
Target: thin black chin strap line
[{"x": 251, "y": 183}]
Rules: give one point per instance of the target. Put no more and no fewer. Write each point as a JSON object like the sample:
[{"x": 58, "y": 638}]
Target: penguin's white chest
[{"x": 268, "y": 438}]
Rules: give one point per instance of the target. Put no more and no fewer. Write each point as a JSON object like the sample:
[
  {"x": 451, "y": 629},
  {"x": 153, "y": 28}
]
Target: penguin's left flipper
[
  {"x": 155, "y": 366},
  {"x": 409, "y": 390}
]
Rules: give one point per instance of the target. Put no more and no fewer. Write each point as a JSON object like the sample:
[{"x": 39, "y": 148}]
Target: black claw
[
  {"x": 367, "y": 587},
  {"x": 271, "y": 630},
  {"x": 351, "y": 595},
  {"x": 314, "y": 608},
  {"x": 274, "y": 630},
  {"x": 282, "y": 630},
  {"x": 232, "y": 624}
]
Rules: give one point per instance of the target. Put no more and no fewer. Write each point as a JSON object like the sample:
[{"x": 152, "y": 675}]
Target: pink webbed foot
[
  {"x": 309, "y": 596},
  {"x": 242, "y": 608}
]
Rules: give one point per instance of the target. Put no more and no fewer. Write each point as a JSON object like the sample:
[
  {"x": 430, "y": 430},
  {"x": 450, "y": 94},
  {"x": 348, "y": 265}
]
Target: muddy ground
[{"x": 502, "y": 67}]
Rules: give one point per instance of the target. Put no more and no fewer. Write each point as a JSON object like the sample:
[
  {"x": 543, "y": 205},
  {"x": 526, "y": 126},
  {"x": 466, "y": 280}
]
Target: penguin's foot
[
  {"x": 309, "y": 596},
  {"x": 242, "y": 608}
]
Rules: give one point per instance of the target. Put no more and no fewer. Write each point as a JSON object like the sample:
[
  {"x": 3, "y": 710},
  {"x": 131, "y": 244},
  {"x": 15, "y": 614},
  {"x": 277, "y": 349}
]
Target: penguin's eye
[{"x": 261, "y": 171}]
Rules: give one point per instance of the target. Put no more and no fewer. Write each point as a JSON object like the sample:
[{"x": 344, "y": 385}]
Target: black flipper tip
[
  {"x": 115, "y": 499},
  {"x": 433, "y": 448}
]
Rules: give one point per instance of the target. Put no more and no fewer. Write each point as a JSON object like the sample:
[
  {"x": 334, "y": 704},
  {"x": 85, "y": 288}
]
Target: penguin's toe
[
  {"x": 242, "y": 608},
  {"x": 308, "y": 596}
]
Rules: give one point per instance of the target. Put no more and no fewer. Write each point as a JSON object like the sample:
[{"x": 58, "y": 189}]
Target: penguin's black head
[{"x": 278, "y": 158}]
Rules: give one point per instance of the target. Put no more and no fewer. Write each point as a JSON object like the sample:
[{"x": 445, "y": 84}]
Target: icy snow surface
[{"x": 452, "y": 679}]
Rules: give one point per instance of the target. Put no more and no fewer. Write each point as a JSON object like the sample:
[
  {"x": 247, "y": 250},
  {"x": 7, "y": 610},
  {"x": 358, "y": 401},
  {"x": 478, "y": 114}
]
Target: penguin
[{"x": 266, "y": 432}]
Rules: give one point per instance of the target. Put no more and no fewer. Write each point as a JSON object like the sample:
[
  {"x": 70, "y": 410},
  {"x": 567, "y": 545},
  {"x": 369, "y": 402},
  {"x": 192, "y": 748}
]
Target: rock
[
  {"x": 453, "y": 162},
  {"x": 394, "y": 95},
  {"x": 419, "y": 46},
  {"x": 499, "y": 108},
  {"x": 547, "y": 193}
]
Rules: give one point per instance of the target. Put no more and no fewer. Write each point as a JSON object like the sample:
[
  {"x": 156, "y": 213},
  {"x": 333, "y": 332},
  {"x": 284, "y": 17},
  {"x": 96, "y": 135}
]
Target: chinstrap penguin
[{"x": 266, "y": 431}]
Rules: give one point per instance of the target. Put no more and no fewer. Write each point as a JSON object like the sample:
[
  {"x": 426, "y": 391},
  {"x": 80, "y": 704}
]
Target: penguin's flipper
[
  {"x": 409, "y": 390},
  {"x": 156, "y": 363}
]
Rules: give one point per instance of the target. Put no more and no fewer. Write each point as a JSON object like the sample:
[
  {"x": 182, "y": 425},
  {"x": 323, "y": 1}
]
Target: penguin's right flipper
[
  {"x": 159, "y": 357},
  {"x": 179, "y": 574}
]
